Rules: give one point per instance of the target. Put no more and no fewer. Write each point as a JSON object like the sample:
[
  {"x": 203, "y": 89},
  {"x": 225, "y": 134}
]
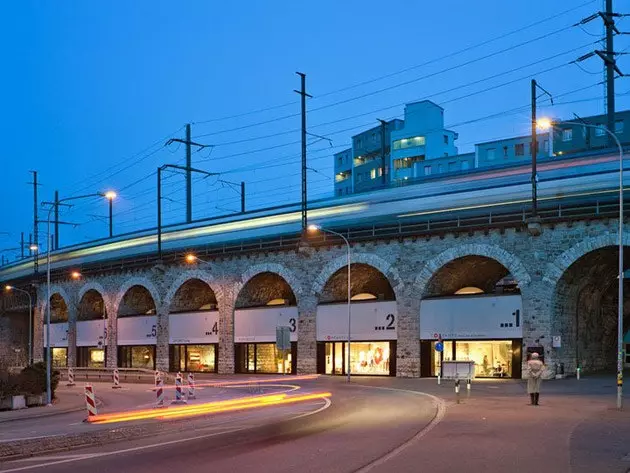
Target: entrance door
[{"x": 627, "y": 355}]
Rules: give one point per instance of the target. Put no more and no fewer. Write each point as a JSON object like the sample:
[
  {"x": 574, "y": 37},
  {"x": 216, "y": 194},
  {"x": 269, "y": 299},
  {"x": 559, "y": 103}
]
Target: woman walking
[{"x": 535, "y": 369}]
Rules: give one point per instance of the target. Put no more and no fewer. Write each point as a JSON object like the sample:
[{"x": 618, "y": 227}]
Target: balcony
[{"x": 342, "y": 176}]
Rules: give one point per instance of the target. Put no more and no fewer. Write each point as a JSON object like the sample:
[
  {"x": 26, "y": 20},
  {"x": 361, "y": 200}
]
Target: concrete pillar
[
  {"x": 38, "y": 332},
  {"x": 537, "y": 299},
  {"x": 408, "y": 345},
  {"x": 112, "y": 338},
  {"x": 72, "y": 335},
  {"x": 162, "y": 348},
  {"x": 307, "y": 335},
  {"x": 226, "y": 300}
]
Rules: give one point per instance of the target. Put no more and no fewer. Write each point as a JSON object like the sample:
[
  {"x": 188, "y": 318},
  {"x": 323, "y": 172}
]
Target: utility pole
[
  {"x": 534, "y": 150},
  {"x": 189, "y": 143},
  {"x": 303, "y": 96},
  {"x": 56, "y": 203},
  {"x": 22, "y": 245},
  {"x": 35, "y": 223},
  {"x": 383, "y": 126},
  {"x": 30, "y": 244},
  {"x": 242, "y": 196},
  {"x": 610, "y": 69}
]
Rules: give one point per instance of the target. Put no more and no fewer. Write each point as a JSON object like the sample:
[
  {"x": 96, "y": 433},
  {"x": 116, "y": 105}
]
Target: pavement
[{"x": 377, "y": 425}]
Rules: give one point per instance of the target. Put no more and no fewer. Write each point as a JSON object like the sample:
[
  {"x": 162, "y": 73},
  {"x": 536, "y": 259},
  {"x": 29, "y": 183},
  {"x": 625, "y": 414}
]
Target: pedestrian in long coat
[{"x": 535, "y": 369}]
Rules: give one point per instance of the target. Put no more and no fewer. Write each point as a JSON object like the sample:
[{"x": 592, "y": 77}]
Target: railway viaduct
[{"x": 566, "y": 275}]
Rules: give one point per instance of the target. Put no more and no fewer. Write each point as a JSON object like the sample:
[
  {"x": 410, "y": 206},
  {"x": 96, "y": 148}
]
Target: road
[{"x": 356, "y": 428}]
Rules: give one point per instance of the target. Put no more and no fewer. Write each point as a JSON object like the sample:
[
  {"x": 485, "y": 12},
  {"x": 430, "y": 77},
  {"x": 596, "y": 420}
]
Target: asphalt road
[{"x": 359, "y": 427}]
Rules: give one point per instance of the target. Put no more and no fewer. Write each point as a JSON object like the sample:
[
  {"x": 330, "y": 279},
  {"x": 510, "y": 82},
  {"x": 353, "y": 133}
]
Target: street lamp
[
  {"x": 546, "y": 123},
  {"x": 111, "y": 195},
  {"x": 52, "y": 206},
  {"x": 315, "y": 228},
  {"x": 30, "y": 320}
]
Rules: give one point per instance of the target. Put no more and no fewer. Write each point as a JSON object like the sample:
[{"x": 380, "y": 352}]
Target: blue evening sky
[{"x": 92, "y": 89}]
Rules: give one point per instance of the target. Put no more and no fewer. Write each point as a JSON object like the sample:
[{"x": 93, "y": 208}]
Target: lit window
[
  {"x": 409, "y": 142},
  {"x": 380, "y": 172},
  {"x": 599, "y": 131},
  {"x": 619, "y": 126},
  {"x": 427, "y": 170},
  {"x": 567, "y": 134},
  {"x": 465, "y": 165},
  {"x": 490, "y": 154},
  {"x": 469, "y": 290},
  {"x": 519, "y": 149},
  {"x": 373, "y": 174}
]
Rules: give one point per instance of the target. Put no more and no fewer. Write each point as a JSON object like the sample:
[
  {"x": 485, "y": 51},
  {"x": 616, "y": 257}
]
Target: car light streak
[{"x": 206, "y": 408}]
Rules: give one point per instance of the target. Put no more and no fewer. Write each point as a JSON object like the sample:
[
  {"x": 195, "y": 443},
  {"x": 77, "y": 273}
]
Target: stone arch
[
  {"x": 93, "y": 285},
  {"x": 128, "y": 284},
  {"x": 378, "y": 263},
  {"x": 200, "y": 274},
  {"x": 90, "y": 307},
  {"x": 55, "y": 289},
  {"x": 279, "y": 283},
  {"x": 188, "y": 283},
  {"x": 512, "y": 263},
  {"x": 561, "y": 264}
]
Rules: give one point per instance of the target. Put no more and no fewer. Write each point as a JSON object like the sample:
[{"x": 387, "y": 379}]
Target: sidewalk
[
  {"x": 575, "y": 429},
  {"x": 66, "y": 401}
]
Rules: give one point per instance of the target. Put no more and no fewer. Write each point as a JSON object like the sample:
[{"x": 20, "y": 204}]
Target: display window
[
  {"x": 366, "y": 358},
  {"x": 627, "y": 355},
  {"x": 59, "y": 357},
  {"x": 265, "y": 358},
  {"x": 194, "y": 358},
  {"x": 493, "y": 358},
  {"x": 139, "y": 356},
  {"x": 91, "y": 357}
]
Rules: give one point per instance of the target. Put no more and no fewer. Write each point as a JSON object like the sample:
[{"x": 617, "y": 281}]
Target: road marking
[
  {"x": 89, "y": 456},
  {"x": 441, "y": 412},
  {"x": 54, "y": 457}
]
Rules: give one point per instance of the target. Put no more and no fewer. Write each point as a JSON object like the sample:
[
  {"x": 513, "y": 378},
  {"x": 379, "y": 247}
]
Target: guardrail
[{"x": 106, "y": 374}]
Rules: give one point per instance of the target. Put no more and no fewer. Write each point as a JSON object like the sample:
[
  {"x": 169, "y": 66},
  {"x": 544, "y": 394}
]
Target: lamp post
[
  {"x": 546, "y": 124},
  {"x": 52, "y": 206},
  {"x": 30, "y": 320},
  {"x": 111, "y": 195},
  {"x": 315, "y": 228}
]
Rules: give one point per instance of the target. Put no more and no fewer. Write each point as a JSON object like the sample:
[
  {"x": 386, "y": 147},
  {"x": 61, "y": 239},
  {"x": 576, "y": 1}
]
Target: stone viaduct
[{"x": 566, "y": 277}]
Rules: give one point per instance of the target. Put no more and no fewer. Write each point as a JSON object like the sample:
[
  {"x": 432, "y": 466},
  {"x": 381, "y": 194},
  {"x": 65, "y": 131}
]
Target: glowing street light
[
  {"x": 111, "y": 195},
  {"x": 30, "y": 319},
  {"x": 316, "y": 228},
  {"x": 75, "y": 275},
  {"x": 546, "y": 124}
]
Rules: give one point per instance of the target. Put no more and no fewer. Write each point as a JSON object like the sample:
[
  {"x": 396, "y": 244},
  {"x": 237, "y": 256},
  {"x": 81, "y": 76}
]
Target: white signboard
[
  {"x": 58, "y": 335},
  {"x": 196, "y": 327},
  {"x": 259, "y": 324},
  {"x": 91, "y": 333},
  {"x": 472, "y": 317},
  {"x": 369, "y": 321},
  {"x": 138, "y": 330}
]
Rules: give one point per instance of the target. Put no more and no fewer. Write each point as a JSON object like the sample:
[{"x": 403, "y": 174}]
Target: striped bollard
[
  {"x": 90, "y": 401},
  {"x": 70, "y": 377},
  {"x": 191, "y": 386},
  {"x": 179, "y": 398},
  {"x": 116, "y": 380},
  {"x": 157, "y": 377},
  {"x": 159, "y": 392}
]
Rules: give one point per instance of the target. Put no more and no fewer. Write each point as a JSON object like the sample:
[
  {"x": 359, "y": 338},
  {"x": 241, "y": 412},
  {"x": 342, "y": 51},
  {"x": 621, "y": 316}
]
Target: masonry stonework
[{"x": 550, "y": 269}]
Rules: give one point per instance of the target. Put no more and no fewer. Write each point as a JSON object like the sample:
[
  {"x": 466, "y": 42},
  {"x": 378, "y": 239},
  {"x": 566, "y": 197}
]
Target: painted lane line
[
  {"x": 439, "y": 416},
  {"x": 90, "y": 456},
  {"x": 54, "y": 457}
]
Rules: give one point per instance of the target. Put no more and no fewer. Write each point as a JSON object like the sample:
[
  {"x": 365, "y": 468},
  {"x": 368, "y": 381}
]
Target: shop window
[
  {"x": 59, "y": 357},
  {"x": 493, "y": 358},
  {"x": 196, "y": 358},
  {"x": 567, "y": 134},
  {"x": 137, "y": 356}
]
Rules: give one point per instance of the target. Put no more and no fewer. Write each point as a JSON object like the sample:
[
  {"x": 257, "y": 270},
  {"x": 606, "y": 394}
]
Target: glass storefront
[
  {"x": 195, "y": 358},
  {"x": 138, "y": 356},
  {"x": 59, "y": 357},
  {"x": 91, "y": 357},
  {"x": 493, "y": 358},
  {"x": 366, "y": 358},
  {"x": 264, "y": 358}
]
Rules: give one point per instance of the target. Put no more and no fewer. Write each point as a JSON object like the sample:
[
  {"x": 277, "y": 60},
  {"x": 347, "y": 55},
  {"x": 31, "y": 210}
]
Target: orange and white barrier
[
  {"x": 179, "y": 397},
  {"x": 159, "y": 392},
  {"x": 191, "y": 386},
  {"x": 90, "y": 401},
  {"x": 70, "y": 377},
  {"x": 116, "y": 380}
]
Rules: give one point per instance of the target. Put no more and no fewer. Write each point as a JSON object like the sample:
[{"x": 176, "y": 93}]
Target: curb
[{"x": 70, "y": 410}]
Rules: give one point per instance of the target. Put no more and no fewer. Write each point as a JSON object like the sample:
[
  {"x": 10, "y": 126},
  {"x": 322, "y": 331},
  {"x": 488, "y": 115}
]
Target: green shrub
[{"x": 33, "y": 379}]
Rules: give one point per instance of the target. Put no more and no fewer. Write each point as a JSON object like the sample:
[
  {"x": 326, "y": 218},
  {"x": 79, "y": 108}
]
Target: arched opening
[
  {"x": 193, "y": 328},
  {"x": 373, "y": 323},
  {"x": 471, "y": 310},
  {"x": 137, "y": 329},
  {"x": 58, "y": 331},
  {"x": 585, "y": 311},
  {"x": 263, "y": 304},
  {"x": 91, "y": 330}
]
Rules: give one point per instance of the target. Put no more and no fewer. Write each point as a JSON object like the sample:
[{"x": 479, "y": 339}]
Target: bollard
[
  {"x": 116, "y": 380},
  {"x": 179, "y": 399},
  {"x": 191, "y": 386},
  {"x": 159, "y": 393},
  {"x": 457, "y": 389},
  {"x": 90, "y": 401},
  {"x": 70, "y": 377},
  {"x": 157, "y": 375},
  {"x": 578, "y": 373},
  {"x": 439, "y": 378},
  {"x": 468, "y": 385}
]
